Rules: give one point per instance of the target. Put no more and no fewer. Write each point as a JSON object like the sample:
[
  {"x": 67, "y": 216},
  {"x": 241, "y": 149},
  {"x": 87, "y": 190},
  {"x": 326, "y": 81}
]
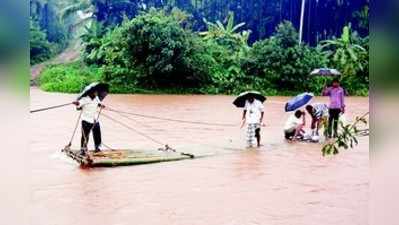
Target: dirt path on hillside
[{"x": 70, "y": 54}]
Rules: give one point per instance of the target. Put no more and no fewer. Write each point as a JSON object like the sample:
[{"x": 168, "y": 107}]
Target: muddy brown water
[{"x": 280, "y": 183}]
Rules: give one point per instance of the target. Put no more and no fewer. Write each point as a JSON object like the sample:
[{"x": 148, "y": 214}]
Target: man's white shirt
[
  {"x": 254, "y": 111},
  {"x": 292, "y": 122},
  {"x": 89, "y": 108}
]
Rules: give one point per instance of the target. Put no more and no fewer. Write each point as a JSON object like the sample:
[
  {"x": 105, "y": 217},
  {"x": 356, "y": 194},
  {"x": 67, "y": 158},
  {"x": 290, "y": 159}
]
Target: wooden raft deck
[{"x": 124, "y": 157}]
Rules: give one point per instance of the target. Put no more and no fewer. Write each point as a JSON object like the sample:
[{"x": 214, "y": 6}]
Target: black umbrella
[
  {"x": 101, "y": 88},
  {"x": 243, "y": 97},
  {"x": 325, "y": 72}
]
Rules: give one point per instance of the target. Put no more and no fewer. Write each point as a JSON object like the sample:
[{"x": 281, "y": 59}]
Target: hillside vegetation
[{"x": 139, "y": 48}]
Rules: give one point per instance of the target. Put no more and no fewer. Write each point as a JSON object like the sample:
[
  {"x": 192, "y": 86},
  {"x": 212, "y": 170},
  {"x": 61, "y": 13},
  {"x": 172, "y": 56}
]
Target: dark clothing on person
[
  {"x": 289, "y": 134},
  {"x": 333, "y": 122},
  {"x": 257, "y": 133},
  {"x": 86, "y": 128}
]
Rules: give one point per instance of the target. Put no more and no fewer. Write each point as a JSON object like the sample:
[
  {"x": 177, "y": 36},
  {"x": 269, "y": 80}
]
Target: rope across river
[
  {"x": 143, "y": 116},
  {"x": 124, "y": 113},
  {"x": 172, "y": 120},
  {"x": 50, "y": 107}
]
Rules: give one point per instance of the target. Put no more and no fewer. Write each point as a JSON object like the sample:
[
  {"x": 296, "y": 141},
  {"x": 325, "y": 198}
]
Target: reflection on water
[{"x": 280, "y": 183}]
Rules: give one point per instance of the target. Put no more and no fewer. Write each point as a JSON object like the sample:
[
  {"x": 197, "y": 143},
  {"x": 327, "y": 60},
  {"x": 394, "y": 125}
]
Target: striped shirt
[{"x": 319, "y": 110}]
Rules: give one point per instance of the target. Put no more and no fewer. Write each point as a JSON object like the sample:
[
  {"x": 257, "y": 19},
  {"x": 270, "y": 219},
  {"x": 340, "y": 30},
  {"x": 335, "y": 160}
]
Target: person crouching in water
[
  {"x": 253, "y": 116},
  {"x": 293, "y": 128},
  {"x": 89, "y": 106},
  {"x": 319, "y": 113}
]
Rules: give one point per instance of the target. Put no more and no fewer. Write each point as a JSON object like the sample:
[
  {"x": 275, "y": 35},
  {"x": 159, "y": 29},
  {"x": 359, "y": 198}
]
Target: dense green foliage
[
  {"x": 53, "y": 23},
  {"x": 157, "y": 50},
  {"x": 349, "y": 56},
  {"x": 160, "y": 50},
  {"x": 47, "y": 34},
  {"x": 281, "y": 64},
  {"x": 62, "y": 20},
  {"x": 70, "y": 78},
  {"x": 40, "y": 47},
  {"x": 323, "y": 19}
]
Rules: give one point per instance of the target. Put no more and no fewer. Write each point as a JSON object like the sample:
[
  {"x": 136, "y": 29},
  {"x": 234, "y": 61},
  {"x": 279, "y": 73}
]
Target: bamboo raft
[{"x": 124, "y": 157}]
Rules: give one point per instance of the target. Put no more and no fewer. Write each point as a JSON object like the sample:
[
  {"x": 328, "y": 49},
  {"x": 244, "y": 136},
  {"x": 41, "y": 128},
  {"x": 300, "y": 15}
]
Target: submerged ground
[{"x": 280, "y": 183}]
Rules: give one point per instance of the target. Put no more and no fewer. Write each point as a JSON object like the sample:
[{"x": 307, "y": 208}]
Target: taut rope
[
  {"x": 172, "y": 120},
  {"x": 51, "y": 107},
  {"x": 140, "y": 133}
]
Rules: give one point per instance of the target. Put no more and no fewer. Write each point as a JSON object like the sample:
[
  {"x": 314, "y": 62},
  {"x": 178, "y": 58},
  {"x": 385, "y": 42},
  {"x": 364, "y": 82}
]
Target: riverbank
[{"x": 73, "y": 77}]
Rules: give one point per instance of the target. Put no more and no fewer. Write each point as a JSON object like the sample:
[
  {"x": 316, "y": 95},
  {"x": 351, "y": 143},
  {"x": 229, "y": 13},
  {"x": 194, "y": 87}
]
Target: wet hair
[
  {"x": 298, "y": 114},
  {"x": 309, "y": 108},
  {"x": 92, "y": 93},
  {"x": 251, "y": 98}
]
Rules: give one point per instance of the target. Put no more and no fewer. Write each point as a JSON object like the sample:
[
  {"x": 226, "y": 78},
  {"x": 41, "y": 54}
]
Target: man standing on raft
[{"x": 89, "y": 106}]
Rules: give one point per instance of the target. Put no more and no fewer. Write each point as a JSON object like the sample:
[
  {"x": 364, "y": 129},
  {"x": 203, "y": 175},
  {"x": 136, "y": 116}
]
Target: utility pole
[{"x": 301, "y": 22}]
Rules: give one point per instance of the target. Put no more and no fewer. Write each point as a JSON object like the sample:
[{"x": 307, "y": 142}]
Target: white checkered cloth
[{"x": 251, "y": 139}]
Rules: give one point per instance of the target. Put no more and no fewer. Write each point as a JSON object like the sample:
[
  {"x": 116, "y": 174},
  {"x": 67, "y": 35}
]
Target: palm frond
[
  {"x": 220, "y": 25},
  {"x": 230, "y": 21},
  {"x": 236, "y": 27},
  {"x": 352, "y": 54}
]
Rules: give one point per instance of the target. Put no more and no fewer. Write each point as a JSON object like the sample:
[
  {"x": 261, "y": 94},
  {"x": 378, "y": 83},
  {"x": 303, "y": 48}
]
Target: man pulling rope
[{"x": 90, "y": 114}]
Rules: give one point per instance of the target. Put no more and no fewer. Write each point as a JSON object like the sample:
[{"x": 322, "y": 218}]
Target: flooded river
[{"x": 279, "y": 184}]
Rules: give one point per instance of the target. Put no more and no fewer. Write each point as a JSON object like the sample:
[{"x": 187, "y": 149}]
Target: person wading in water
[
  {"x": 253, "y": 116},
  {"x": 336, "y": 107},
  {"x": 89, "y": 106}
]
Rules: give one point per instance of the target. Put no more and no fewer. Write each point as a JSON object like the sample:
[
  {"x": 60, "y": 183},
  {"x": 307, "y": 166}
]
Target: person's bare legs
[
  {"x": 257, "y": 135},
  {"x": 318, "y": 126},
  {"x": 298, "y": 131}
]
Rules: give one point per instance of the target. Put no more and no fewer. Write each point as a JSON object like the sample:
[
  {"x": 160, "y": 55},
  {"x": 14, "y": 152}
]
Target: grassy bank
[
  {"x": 68, "y": 78},
  {"x": 73, "y": 77}
]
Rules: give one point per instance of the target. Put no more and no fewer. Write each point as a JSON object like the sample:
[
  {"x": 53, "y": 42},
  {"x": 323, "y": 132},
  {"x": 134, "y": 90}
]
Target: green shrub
[
  {"x": 156, "y": 53},
  {"x": 281, "y": 63},
  {"x": 69, "y": 78},
  {"x": 156, "y": 45}
]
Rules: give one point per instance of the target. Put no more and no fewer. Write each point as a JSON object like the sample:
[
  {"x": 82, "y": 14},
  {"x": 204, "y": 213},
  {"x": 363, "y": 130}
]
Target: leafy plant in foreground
[{"x": 347, "y": 138}]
